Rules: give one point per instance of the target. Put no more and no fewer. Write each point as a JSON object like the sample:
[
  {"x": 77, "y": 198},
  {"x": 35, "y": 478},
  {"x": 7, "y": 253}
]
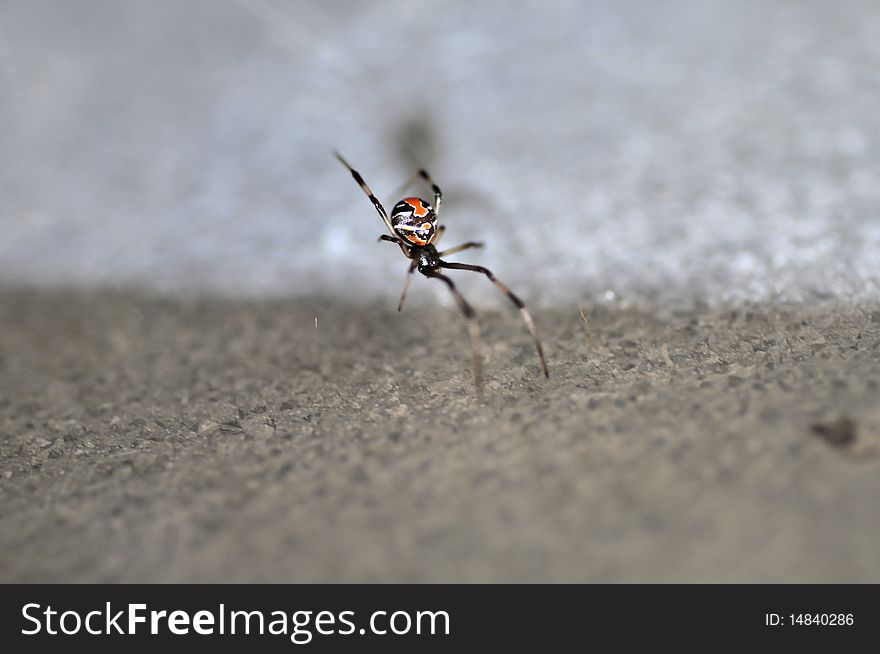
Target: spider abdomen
[{"x": 415, "y": 221}]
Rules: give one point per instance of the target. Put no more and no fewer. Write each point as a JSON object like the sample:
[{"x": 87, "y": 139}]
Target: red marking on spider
[
  {"x": 412, "y": 238},
  {"x": 420, "y": 209}
]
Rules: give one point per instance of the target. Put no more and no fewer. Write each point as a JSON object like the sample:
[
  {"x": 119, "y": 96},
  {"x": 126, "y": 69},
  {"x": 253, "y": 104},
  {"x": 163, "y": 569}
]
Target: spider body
[
  {"x": 414, "y": 228},
  {"x": 414, "y": 221},
  {"x": 426, "y": 258}
]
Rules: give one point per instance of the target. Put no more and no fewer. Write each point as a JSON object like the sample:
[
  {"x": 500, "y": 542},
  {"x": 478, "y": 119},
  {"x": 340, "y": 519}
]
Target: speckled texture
[{"x": 205, "y": 440}]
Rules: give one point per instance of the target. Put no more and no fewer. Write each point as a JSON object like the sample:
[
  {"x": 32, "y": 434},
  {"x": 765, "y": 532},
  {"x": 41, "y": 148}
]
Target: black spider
[{"x": 413, "y": 226}]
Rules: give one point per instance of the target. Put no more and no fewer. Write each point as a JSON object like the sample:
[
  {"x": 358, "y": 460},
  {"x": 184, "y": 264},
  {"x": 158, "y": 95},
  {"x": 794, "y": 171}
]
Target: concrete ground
[
  {"x": 699, "y": 175},
  {"x": 149, "y": 439}
]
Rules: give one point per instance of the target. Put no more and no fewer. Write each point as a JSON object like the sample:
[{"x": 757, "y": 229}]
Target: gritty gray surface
[
  {"x": 723, "y": 149},
  {"x": 699, "y": 174},
  {"x": 151, "y": 439}
]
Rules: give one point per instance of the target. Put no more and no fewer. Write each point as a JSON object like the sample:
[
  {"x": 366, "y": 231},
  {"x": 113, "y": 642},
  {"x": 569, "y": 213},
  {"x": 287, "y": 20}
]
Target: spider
[{"x": 413, "y": 227}]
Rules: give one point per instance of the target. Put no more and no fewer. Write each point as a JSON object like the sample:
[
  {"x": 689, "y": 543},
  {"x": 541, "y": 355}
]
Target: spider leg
[
  {"x": 438, "y": 194},
  {"x": 441, "y": 229},
  {"x": 390, "y": 239},
  {"x": 459, "y": 248},
  {"x": 473, "y": 326},
  {"x": 513, "y": 298},
  {"x": 409, "y": 276},
  {"x": 367, "y": 191}
]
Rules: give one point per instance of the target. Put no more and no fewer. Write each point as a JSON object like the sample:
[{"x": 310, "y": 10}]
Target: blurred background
[{"x": 671, "y": 152}]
